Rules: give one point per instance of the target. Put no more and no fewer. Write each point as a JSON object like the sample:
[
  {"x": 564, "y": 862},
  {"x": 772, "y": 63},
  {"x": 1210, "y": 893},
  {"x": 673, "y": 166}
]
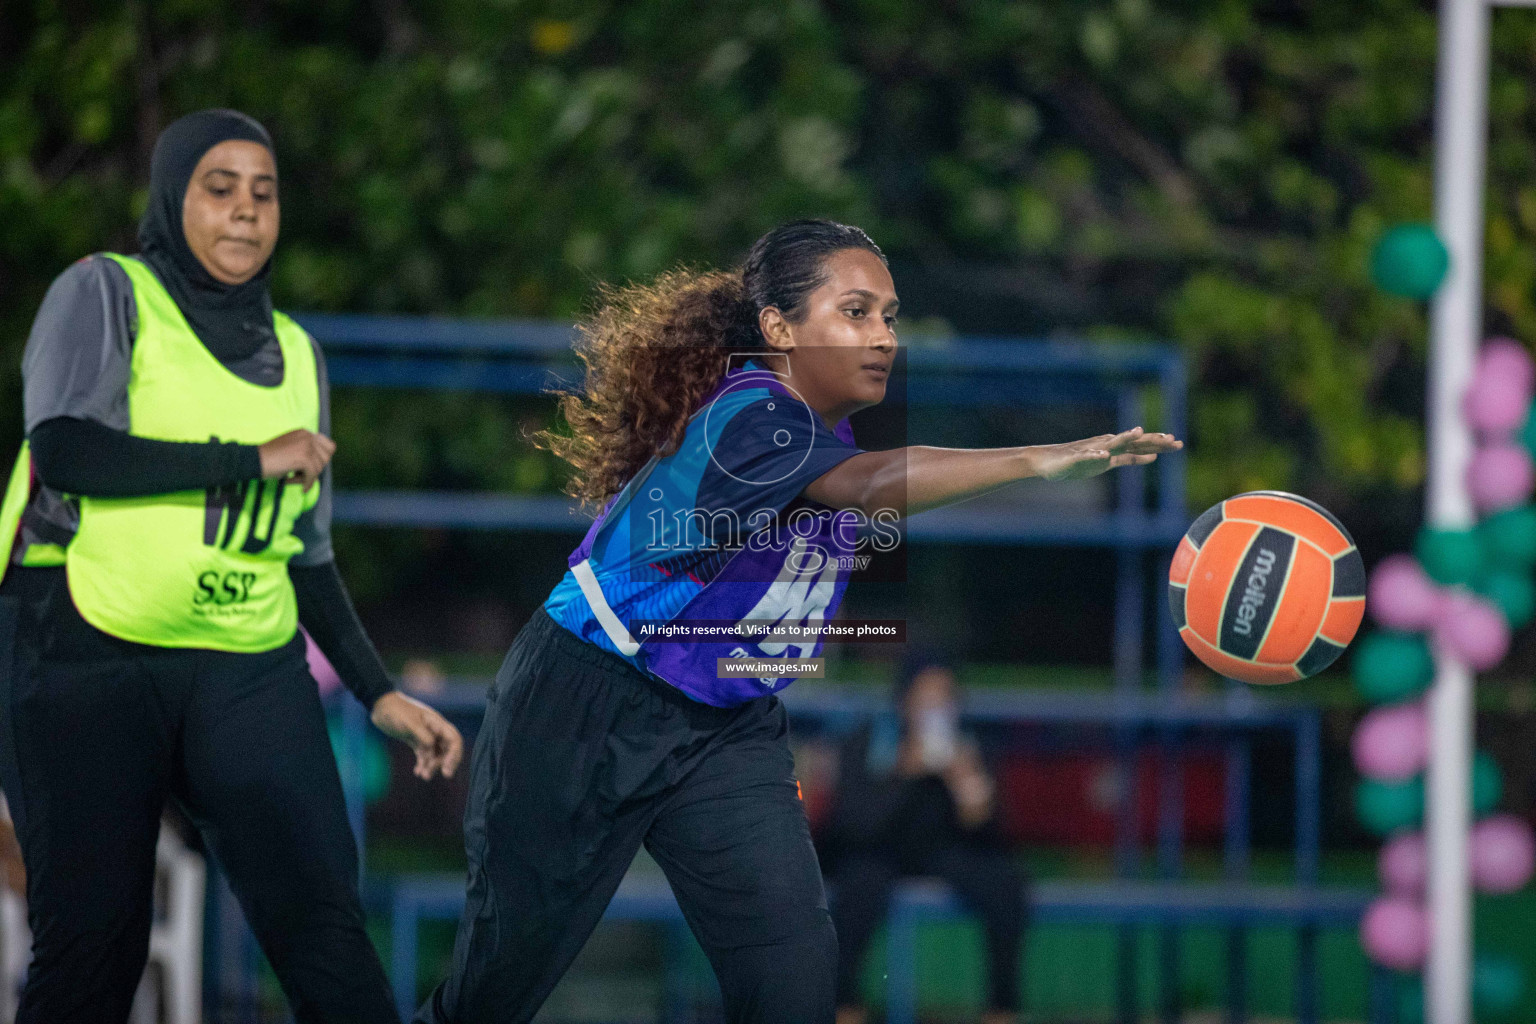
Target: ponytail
[{"x": 651, "y": 353}]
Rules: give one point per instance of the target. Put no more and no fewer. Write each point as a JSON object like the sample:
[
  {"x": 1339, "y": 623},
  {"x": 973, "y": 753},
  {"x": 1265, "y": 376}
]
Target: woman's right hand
[
  {"x": 1076, "y": 460},
  {"x": 299, "y": 455}
]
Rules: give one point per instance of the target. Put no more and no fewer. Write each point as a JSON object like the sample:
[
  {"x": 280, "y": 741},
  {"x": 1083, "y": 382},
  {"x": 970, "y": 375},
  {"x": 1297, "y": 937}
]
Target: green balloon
[
  {"x": 1449, "y": 556},
  {"x": 1528, "y": 434},
  {"x": 1410, "y": 1000},
  {"x": 1385, "y": 807},
  {"x": 375, "y": 762},
  {"x": 1508, "y": 538},
  {"x": 1390, "y": 667},
  {"x": 1410, "y": 260},
  {"x": 1513, "y": 592},
  {"x": 1487, "y": 783},
  {"x": 1498, "y": 983}
]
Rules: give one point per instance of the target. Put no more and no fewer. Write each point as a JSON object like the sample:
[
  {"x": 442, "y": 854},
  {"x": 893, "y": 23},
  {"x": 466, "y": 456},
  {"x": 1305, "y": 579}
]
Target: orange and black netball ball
[{"x": 1267, "y": 587}]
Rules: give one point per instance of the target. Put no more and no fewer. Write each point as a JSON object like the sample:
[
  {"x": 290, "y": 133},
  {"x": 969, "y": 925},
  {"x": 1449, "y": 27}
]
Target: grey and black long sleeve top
[{"x": 75, "y": 374}]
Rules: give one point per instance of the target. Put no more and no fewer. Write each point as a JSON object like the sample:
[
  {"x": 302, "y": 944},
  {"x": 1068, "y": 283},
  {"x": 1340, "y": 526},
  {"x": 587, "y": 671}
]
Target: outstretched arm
[{"x": 916, "y": 479}]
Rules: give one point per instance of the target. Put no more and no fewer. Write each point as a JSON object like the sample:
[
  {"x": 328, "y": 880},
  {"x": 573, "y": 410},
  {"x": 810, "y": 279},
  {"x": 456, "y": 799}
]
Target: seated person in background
[{"x": 914, "y": 798}]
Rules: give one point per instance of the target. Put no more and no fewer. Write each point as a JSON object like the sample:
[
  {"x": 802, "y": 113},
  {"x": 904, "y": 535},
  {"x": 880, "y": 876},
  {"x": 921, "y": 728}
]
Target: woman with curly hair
[{"x": 712, "y": 433}]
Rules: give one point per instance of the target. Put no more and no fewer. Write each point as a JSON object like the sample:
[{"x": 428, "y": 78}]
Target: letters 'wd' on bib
[{"x": 198, "y": 568}]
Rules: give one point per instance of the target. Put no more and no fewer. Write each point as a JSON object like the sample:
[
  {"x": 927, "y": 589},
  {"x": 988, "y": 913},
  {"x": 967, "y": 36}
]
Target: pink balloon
[
  {"x": 1503, "y": 854},
  {"x": 1500, "y": 476},
  {"x": 320, "y": 667},
  {"x": 1401, "y": 596},
  {"x": 1472, "y": 631},
  {"x": 1395, "y": 933},
  {"x": 1392, "y": 743},
  {"x": 1496, "y": 405},
  {"x": 1506, "y": 357},
  {"x": 1403, "y": 866}
]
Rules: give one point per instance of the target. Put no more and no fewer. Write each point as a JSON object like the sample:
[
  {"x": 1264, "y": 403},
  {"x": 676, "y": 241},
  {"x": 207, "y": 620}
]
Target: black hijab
[{"x": 233, "y": 320}]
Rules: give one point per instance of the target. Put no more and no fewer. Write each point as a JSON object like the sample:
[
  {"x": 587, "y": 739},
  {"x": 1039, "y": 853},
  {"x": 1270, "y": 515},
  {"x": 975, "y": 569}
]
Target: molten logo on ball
[
  {"x": 1267, "y": 587},
  {"x": 1254, "y": 595}
]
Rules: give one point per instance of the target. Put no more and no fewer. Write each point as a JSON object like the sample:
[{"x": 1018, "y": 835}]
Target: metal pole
[
  {"x": 1235, "y": 861},
  {"x": 1130, "y": 609},
  {"x": 1309, "y": 841},
  {"x": 1461, "y": 130}
]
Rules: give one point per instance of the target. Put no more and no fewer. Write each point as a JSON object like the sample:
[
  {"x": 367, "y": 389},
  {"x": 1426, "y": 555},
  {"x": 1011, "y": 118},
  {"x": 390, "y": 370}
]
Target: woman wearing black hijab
[{"x": 171, "y": 525}]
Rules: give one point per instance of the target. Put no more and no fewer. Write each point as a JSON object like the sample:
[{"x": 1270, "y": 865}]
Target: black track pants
[
  {"x": 96, "y": 733},
  {"x": 580, "y": 760}
]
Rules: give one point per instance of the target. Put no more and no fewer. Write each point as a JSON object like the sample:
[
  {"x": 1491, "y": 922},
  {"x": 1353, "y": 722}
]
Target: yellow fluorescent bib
[{"x": 197, "y": 568}]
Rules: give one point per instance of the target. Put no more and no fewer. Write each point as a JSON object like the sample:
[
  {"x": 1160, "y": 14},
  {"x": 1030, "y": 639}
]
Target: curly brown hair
[{"x": 651, "y": 353}]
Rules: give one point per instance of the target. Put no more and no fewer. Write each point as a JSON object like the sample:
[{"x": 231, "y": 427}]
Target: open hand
[
  {"x": 1076, "y": 460},
  {"x": 438, "y": 745}
]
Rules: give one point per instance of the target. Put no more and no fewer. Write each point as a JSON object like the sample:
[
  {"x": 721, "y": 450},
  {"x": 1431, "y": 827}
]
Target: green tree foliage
[{"x": 1211, "y": 171}]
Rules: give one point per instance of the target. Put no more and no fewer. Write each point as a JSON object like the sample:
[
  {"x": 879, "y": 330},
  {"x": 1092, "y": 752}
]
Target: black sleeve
[
  {"x": 85, "y": 457},
  {"x": 765, "y": 456},
  {"x": 327, "y": 612}
]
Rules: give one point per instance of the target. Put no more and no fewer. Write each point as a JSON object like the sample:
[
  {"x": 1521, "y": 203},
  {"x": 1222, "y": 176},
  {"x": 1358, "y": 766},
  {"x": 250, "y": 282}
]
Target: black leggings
[
  {"x": 96, "y": 733},
  {"x": 581, "y": 759},
  {"x": 987, "y": 882}
]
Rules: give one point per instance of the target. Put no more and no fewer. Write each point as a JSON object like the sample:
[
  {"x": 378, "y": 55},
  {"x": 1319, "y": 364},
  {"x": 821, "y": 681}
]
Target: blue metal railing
[{"x": 529, "y": 358}]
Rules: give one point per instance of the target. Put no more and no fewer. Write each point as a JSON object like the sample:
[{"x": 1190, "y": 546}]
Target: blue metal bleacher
[
  {"x": 1125, "y": 902},
  {"x": 425, "y": 897}
]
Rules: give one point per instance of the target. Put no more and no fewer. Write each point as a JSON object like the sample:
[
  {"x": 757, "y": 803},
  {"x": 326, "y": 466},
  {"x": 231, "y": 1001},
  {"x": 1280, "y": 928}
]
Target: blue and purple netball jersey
[{"x": 715, "y": 536}]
